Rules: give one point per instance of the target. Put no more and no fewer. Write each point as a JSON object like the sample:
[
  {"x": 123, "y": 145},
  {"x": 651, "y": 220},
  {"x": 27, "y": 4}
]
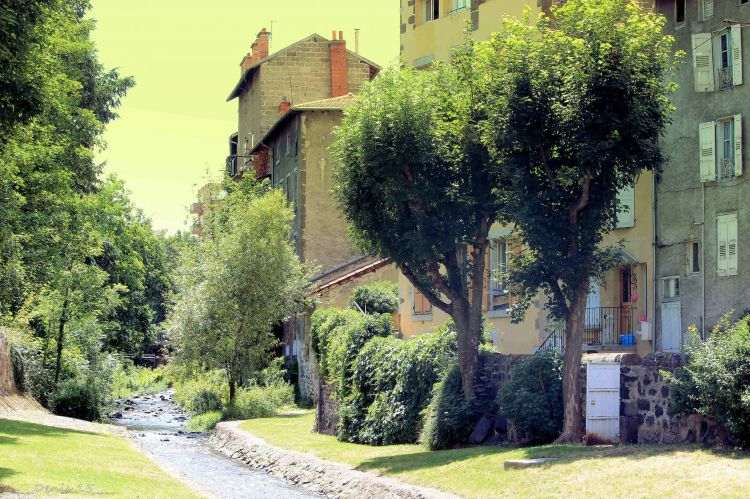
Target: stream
[{"x": 160, "y": 426}]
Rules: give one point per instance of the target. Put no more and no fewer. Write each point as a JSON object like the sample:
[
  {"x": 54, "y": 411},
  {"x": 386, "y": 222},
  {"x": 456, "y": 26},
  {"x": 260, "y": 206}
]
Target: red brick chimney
[
  {"x": 263, "y": 41},
  {"x": 339, "y": 65},
  {"x": 254, "y": 51},
  {"x": 247, "y": 61},
  {"x": 284, "y": 105}
]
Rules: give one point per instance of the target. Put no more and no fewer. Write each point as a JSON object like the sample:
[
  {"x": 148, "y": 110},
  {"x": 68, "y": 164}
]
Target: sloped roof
[
  {"x": 245, "y": 76},
  {"x": 331, "y": 104}
]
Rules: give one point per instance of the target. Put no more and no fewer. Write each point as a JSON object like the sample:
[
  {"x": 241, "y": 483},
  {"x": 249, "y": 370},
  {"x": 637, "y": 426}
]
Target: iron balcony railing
[
  {"x": 232, "y": 166},
  {"x": 603, "y": 326},
  {"x": 726, "y": 80}
]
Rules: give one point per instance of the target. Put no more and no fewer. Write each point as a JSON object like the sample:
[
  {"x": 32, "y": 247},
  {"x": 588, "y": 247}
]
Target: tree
[
  {"x": 416, "y": 184},
  {"x": 236, "y": 284},
  {"x": 576, "y": 105}
]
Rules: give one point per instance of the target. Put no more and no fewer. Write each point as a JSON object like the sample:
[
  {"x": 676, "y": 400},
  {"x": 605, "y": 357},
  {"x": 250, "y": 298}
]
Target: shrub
[
  {"x": 715, "y": 380},
  {"x": 199, "y": 395},
  {"x": 204, "y": 400},
  {"x": 205, "y": 422},
  {"x": 76, "y": 398},
  {"x": 532, "y": 398},
  {"x": 376, "y": 298},
  {"x": 129, "y": 380},
  {"x": 449, "y": 418},
  {"x": 391, "y": 386},
  {"x": 260, "y": 402}
]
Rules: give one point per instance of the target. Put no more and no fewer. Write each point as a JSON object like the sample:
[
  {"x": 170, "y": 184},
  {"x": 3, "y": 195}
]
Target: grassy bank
[
  {"x": 632, "y": 471},
  {"x": 45, "y": 461}
]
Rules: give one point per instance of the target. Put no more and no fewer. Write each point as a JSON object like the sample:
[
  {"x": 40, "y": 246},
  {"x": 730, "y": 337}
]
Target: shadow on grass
[
  {"x": 565, "y": 454},
  {"x": 5, "y": 473},
  {"x": 9, "y": 429}
]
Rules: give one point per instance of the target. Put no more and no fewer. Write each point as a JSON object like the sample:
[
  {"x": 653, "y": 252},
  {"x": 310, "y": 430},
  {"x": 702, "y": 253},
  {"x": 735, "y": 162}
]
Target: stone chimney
[
  {"x": 284, "y": 105},
  {"x": 339, "y": 65}
]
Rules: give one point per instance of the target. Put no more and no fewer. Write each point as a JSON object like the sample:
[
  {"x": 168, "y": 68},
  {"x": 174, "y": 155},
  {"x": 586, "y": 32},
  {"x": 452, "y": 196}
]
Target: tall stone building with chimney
[{"x": 311, "y": 69}]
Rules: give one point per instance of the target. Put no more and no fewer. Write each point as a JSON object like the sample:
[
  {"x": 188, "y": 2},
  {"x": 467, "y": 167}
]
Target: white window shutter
[
  {"x": 736, "y": 54},
  {"x": 626, "y": 202},
  {"x": 708, "y": 9},
  {"x": 737, "y": 145},
  {"x": 722, "y": 236},
  {"x": 732, "y": 245},
  {"x": 703, "y": 63},
  {"x": 707, "y": 139}
]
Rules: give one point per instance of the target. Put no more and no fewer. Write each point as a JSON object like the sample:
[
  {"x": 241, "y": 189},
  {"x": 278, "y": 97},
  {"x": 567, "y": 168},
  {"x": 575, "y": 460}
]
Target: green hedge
[
  {"x": 532, "y": 398},
  {"x": 392, "y": 386},
  {"x": 449, "y": 419},
  {"x": 716, "y": 379},
  {"x": 377, "y": 298}
]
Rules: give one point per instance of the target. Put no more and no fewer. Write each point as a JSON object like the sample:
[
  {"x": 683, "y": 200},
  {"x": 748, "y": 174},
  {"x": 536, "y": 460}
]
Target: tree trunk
[
  {"x": 573, "y": 427},
  {"x": 61, "y": 337},
  {"x": 468, "y": 341},
  {"x": 232, "y": 391}
]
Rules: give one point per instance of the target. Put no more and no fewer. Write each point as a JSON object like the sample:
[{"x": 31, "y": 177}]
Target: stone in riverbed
[{"x": 117, "y": 415}]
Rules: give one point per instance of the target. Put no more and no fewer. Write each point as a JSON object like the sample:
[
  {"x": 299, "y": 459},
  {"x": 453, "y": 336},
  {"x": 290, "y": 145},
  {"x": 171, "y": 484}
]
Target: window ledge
[
  {"x": 498, "y": 313},
  {"x": 421, "y": 317}
]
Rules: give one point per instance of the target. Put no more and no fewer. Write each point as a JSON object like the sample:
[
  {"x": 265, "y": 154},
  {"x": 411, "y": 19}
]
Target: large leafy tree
[
  {"x": 235, "y": 284},
  {"x": 416, "y": 184},
  {"x": 576, "y": 106}
]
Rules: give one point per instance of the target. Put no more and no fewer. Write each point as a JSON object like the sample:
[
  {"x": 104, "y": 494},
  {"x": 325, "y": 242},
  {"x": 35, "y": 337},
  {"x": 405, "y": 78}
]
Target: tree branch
[
  {"x": 583, "y": 201},
  {"x": 434, "y": 299},
  {"x": 547, "y": 169}
]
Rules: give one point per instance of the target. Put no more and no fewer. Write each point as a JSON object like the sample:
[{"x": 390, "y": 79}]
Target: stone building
[
  {"x": 311, "y": 69},
  {"x": 701, "y": 194}
]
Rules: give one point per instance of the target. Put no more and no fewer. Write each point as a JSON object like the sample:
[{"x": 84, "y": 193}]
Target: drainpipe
[
  {"x": 656, "y": 274},
  {"x": 703, "y": 260}
]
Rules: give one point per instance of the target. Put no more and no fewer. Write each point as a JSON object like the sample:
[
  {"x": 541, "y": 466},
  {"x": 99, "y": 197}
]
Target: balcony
[
  {"x": 232, "y": 166},
  {"x": 605, "y": 328},
  {"x": 725, "y": 79}
]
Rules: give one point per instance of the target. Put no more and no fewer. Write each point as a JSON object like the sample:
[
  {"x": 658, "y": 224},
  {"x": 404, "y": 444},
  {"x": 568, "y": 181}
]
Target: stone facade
[
  {"x": 299, "y": 73},
  {"x": 687, "y": 207}
]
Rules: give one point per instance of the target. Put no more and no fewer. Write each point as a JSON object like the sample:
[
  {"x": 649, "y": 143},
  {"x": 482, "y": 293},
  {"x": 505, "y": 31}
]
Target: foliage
[
  {"x": 376, "y": 298},
  {"x": 391, "y": 387},
  {"x": 450, "y": 418},
  {"x": 715, "y": 380},
  {"x": 416, "y": 183},
  {"x": 337, "y": 337},
  {"x": 576, "y": 103},
  {"x": 532, "y": 398},
  {"x": 77, "y": 398},
  {"x": 205, "y": 422},
  {"x": 191, "y": 390},
  {"x": 129, "y": 380},
  {"x": 235, "y": 285}
]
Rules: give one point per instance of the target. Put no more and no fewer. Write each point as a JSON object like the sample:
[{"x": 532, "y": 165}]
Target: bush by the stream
[
  {"x": 77, "y": 398},
  {"x": 205, "y": 422},
  {"x": 129, "y": 380},
  {"x": 377, "y": 298},
  {"x": 532, "y": 398},
  {"x": 715, "y": 380}
]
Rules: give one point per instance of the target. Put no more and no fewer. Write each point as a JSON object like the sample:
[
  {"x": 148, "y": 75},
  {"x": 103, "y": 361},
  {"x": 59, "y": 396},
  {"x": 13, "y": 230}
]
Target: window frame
[
  {"x": 693, "y": 258},
  {"x": 677, "y": 22},
  {"x": 431, "y": 7},
  {"x": 674, "y": 292},
  {"x": 722, "y": 144},
  {"x": 426, "y": 310}
]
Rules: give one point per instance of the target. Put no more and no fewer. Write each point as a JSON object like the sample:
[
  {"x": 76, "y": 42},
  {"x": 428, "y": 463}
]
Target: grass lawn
[
  {"x": 47, "y": 461},
  {"x": 632, "y": 471}
]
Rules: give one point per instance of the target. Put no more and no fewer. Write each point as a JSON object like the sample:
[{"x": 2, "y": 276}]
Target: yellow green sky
[{"x": 174, "y": 125}]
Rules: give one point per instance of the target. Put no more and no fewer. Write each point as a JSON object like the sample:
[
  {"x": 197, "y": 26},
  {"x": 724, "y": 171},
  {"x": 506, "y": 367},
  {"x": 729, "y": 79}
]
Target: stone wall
[
  {"x": 7, "y": 385},
  {"x": 645, "y": 416},
  {"x": 327, "y": 415}
]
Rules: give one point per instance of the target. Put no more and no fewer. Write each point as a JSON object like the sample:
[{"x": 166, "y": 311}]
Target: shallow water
[{"x": 159, "y": 425}]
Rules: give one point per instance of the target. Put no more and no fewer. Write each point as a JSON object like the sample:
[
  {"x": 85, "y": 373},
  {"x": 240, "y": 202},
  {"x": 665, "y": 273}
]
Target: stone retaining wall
[
  {"x": 327, "y": 415},
  {"x": 309, "y": 472}
]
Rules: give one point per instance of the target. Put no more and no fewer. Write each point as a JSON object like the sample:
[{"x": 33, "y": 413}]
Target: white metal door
[
  {"x": 671, "y": 327},
  {"x": 593, "y": 301},
  {"x": 603, "y": 399}
]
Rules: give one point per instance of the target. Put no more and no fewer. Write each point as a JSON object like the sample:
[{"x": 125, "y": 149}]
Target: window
[
  {"x": 276, "y": 153},
  {"x": 671, "y": 288},
  {"x": 693, "y": 257},
  {"x": 431, "y": 10},
  {"x": 744, "y": 2},
  {"x": 626, "y": 279},
  {"x": 720, "y": 148},
  {"x": 625, "y": 208},
  {"x": 288, "y": 143},
  {"x": 679, "y": 11},
  {"x": 499, "y": 298},
  {"x": 726, "y": 235},
  {"x": 460, "y": 4},
  {"x": 707, "y": 9},
  {"x": 422, "y": 305},
  {"x": 725, "y": 48}
]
